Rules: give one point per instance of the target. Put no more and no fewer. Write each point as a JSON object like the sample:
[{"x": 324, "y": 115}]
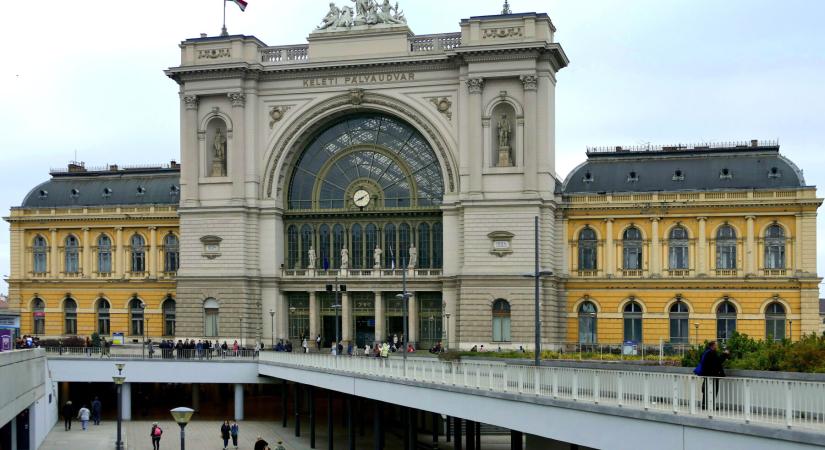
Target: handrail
[
  {"x": 778, "y": 403},
  {"x": 215, "y": 354}
]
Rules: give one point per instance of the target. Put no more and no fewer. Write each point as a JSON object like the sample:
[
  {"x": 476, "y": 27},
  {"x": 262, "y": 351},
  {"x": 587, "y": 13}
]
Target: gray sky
[{"x": 87, "y": 77}]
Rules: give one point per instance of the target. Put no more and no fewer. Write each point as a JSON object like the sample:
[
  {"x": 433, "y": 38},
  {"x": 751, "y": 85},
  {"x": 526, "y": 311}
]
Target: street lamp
[
  {"x": 119, "y": 379},
  {"x": 272, "y": 325},
  {"x": 405, "y": 297},
  {"x": 143, "y": 327},
  {"x": 790, "y": 330},
  {"x": 182, "y": 415},
  {"x": 696, "y": 327},
  {"x": 447, "y": 335},
  {"x": 536, "y": 275}
]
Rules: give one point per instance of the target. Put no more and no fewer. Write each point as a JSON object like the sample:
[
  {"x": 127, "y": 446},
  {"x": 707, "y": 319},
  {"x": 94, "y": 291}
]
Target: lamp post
[
  {"x": 404, "y": 296},
  {"x": 119, "y": 379},
  {"x": 143, "y": 327},
  {"x": 337, "y": 307},
  {"x": 536, "y": 275},
  {"x": 696, "y": 335},
  {"x": 272, "y": 325},
  {"x": 447, "y": 335},
  {"x": 182, "y": 415},
  {"x": 790, "y": 330}
]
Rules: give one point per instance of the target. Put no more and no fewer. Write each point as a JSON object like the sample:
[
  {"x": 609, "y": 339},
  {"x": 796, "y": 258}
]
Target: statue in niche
[
  {"x": 376, "y": 257},
  {"x": 311, "y": 256},
  {"x": 413, "y": 257},
  {"x": 505, "y": 130},
  {"x": 344, "y": 258},
  {"x": 219, "y": 148},
  {"x": 331, "y": 19}
]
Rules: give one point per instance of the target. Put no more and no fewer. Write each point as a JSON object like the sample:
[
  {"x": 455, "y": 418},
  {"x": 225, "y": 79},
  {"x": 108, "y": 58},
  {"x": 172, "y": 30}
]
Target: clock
[{"x": 361, "y": 198}]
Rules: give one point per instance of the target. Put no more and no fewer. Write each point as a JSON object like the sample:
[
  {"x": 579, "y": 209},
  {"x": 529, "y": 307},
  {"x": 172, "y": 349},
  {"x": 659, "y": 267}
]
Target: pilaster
[
  {"x": 236, "y": 153},
  {"x": 750, "y": 250},
  {"x": 314, "y": 316},
  {"x": 655, "y": 248},
  {"x": 152, "y": 252},
  {"x": 86, "y": 260},
  {"x": 702, "y": 247},
  {"x": 475, "y": 87},
  {"x": 117, "y": 252},
  {"x": 531, "y": 163},
  {"x": 190, "y": 157},
  {"x": 346, "y": 317},
  {"x": 54, "y": 253},
  {"x": 412, "y": 315},
  {"x": 609, "y": 258},
  {"x": 379, "y": 316}
]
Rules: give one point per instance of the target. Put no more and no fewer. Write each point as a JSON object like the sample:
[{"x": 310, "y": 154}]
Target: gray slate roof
[
  {"x": 749, "y": 168},
  {"x": 125, "y": 187}
]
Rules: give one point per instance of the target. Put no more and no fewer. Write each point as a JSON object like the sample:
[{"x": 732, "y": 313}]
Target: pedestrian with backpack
[
  {"x": 156, "y": 433},
  {"x": 711, "y": 367},
  {"x": 233, "y": 432}
]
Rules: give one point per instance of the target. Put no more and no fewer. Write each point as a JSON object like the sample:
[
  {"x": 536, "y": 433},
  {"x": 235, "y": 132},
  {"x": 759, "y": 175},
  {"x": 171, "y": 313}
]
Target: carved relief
[
  {"x": 531, "y": 82},
  {"x": 444, "y": 106},
  {"x": 237, "y": 98},
  {"x": 191, "y": 101},
  {"x": 356, "y": 96},
  {"x": 276, "y": 113},
  {"x": 503, "y": 33},
  {"x": 475, "y": 85},
  {"x": 215, "y": 53}
]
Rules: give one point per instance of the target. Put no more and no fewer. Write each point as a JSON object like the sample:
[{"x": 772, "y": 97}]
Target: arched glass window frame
[
  {"x": 169, "y": 309},
  {"x": 438, "y": 245},
  {"x": 501, "y": 313},
  {"x": 678, "y": 248},
  {"x": 171, "y": 253},
  {"x": 211, "y": 317},
  {"x": 70, "y": 316},
  {"x": 726, "y": 251},
  {"x": 357, "y": 246},
  {"x": 371, "y": 242},
  {"x": 679, "y": 318},
  {"x": 774, "y": 243},
  {"x": 588, "y": 322},
  {"x": 632, "y": 245},
  {"x": 38, "y": 316},
  {"x": 632, "y": 318},
  {"x": 726, "y": 320},
  {"x": 71, "y": 250},
  {"x": 292, "y": 247},
  {"x": 424, "y": 245},
  {"x": 775, "y": 321},
  {"x": 40, "y": 251},
  {"x": 339, "y": 242},
  {"x": 324, "y": 241},
  {"x": 137, "y": 317},
  {"x": 588, "y": 249},
  {"x": 404, "y": 241},
  {"x": 104, "y": 254},
  {"x": 307, "y": 238},
  {"x": 390, "y": 246},
  {"x": 104, "y": 318},
  {"x": 137, "y": 244}
]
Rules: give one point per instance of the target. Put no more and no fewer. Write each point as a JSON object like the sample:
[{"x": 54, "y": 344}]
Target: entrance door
[
  {"x": 395, "y": 326},
  {"x": 364, "y": 330},
  {"x": 328, "y": 330}
]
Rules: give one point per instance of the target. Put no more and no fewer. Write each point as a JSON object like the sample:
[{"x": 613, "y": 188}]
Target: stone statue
[
  {"x": 504, "y": 131},
  {"x": 344, "y": 258},
  {"x": 346, "y": 18},
  {"x": 385, "y": 15},
  {"x": 376, "y": 256},
  {"x": 311, "y": 256},
  {"x": 219, "y": 161},
  {"x": 413, "y": 257},
  {"x": 332, "y": 17}
]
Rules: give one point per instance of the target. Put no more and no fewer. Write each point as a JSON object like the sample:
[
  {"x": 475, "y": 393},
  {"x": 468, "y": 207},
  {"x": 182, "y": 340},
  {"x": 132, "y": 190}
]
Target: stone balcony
[{"x": 394, "y": 274}]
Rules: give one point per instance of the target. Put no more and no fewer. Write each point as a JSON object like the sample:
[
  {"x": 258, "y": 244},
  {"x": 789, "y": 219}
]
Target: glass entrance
[{"x": 363, "y": 317}]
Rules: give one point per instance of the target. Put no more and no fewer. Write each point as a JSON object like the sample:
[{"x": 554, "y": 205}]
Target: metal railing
[
  {"x": 791, "y": 404},
  {"x": 215, "y": 354}
]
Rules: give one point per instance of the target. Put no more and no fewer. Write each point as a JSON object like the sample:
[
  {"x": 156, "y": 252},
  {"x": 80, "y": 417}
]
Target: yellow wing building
[
  {"x": 97, "y": 251},
  {"x": 686, "y": 243}
]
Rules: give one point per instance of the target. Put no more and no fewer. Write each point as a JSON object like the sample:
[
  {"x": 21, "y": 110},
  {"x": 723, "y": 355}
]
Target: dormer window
[
  {"x": 75, "y": 193},
  {"x": 43, "y": 194},
  {"x": 678, "y": 175},
  {"x": 141, "y": 191},
  {"x": 174, "y": 190},
  {"x": 588, "y": 177},
  {"x": 774, "y": 173},
  {"x": 725, "y": 174},
  {"x": 107, "y": 192},
  {"x": 632, "y": 177}
]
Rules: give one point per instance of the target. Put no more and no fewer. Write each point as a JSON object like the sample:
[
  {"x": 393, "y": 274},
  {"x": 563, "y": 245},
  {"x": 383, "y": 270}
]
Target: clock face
[{"x": 361, "y": 198}]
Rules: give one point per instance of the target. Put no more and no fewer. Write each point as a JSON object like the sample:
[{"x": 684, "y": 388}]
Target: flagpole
[{"x": 223, "y": 28}]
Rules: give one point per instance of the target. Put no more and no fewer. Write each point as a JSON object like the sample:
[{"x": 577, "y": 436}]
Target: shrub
[{"x": 746, "y": 353}]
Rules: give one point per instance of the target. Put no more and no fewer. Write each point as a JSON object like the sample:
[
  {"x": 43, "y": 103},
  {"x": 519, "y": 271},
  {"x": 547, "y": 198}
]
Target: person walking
[
  {"x": 68, "y": 415},
  {"x": 711, "y": 366},
  {"x": 318, "y": 343},
  {"x": 233, "y": 432},
  {"x": 83, "y": 414},
  {"x": 225, "y": 433},
  {"x": 155, "y": 433},
  {"x": 305, "y": 345},
  {"x": 97, "y": 407},
  {"x": 261, "y": 444}
]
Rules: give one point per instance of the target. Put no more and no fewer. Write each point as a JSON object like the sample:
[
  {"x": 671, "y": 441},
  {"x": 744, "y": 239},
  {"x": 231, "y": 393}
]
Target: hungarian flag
[{"x": 241, "y": 4}]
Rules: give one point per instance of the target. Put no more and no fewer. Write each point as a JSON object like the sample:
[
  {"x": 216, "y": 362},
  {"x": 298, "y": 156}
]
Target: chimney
[
  {"x": 174, "y": 164},
  {"x": 113, "y": 168},
  {"x": 77, "y": 167},
  {"x": 754, "y": 142}
]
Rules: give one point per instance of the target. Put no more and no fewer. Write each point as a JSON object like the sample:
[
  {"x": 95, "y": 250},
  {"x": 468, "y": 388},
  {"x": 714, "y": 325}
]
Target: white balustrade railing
[
  {"x": 784, "y": 403},
  {"x": 189, "y": 354}
]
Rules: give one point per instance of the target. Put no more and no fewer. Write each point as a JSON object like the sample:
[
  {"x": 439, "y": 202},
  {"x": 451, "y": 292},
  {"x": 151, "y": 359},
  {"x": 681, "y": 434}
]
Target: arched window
[
  {"x": 678, "y": 249},
  {"x": 587, "y": 249},
  {"x": 171, "y": 253},
  {"x": 323, "y": 243},
  {"x": 390, "y": 251},
  {"x": 775, "y": 322},
  {"x": 775, "y": 247},
  {"x": 632, "y": 249},
  {"x": 292, "y": 247},
  {"x": 632, "y": 316},
  {"x": 138, "y": 254},
  {"x": 725, "y": 320},
  {"x": 726, "y": 248},
  {"x": 424, "y": 245},
  {"x": 169, "y": 316},
  {"x": 404, "y": 241},
  {"x": 438, "y": 246},
  {"x": 103, "y": 319},
  {"x": 501, "y": 321},
  {"x": 104, "y": 254},
  {"x": 136, "y": 307},
  {"x": 338, "y": 243},
  {"x": 372, "y": 242},
  {"x": 72, "y": 257},
  {"x": 39, "y": 316},
  {"x": 306, "y": 242},
  {"x": 210, "y": 315},
  {"x": 356, "y": 242},
  {"x": 69, "y": 316},
  {"x": 679, "y": 323},
  {"x": 587, "y": 323},
  {"x": 39, "y": 251}
]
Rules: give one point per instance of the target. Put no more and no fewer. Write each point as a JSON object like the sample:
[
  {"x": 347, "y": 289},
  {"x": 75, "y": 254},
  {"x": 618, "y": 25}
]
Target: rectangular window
[
  {"x": 39, "y": 262},
  {"x": 39, "y": 324},
  {"x": 726, "y": 256},
  {"x": 587, "y": 329},
  {"x": 171, "y": 261},
  {"x": 298, "y": 317},
  {"x": 632, "y": 258},
  {"x": 725, "y": 328},
  {"x": 775, "y": 329},
  {"x": 71, "y": 322},
  {"x": 103, "y": 323},
  {"x": 775, "y": 257},
  {"x": 138, "y": 261},
  {"x": 501, "y": 329},
  {"x": 678, "y": 257},
  {"x": 633, "y": 329},
  {"x": 104, "y": 261},
  {"x": 679, "y": 330},
  {"x": 71, "y": 261},
  {"x": 210, "y": 322}
]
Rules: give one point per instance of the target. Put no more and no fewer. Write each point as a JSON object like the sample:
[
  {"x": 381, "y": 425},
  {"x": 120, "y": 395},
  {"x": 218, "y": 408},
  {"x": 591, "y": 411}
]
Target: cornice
[{"x": 41, "y": 220}]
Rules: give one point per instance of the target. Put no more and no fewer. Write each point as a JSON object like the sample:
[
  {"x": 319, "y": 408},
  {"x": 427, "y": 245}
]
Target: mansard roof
[
  {"x": 745, "y": 165},
  {"x": 77, "y": 186}
]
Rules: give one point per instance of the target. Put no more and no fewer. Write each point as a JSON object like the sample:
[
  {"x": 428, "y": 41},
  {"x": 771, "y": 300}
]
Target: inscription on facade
[{"x": 354, "y": 80}]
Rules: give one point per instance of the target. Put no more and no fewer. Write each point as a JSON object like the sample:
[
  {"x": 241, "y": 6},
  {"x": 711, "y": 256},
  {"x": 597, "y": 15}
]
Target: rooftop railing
[
  {"x": 425, "y": 43},
  {"x": 704, "y": 146}
]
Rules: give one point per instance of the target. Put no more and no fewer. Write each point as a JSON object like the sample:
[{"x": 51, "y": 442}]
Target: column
[
  {"x": 196, "y": 397},
  {"x": 53, "y": 254},
  {"x": 475, "y": 86},
  {"x": 655, "y": 248},
  {"x": 412, "y": 316},
  {"x": 311, "y": 416},
  {"x": 314, "y": 318},
  {"x": 126, "y": 406},
  {"x": 516, "y": 440},
  {"x": 379, "y": 316},
  {"x": 797, "y": 245},
  {"x": 750, "y": 250},
  {"x": 236, "y": 163},
  {"x": 13, "y": 429},
  {"x": 471, "y": 435},
  {"x": 531, "y": 164},
  {"x": 702, "y": 247},
  {"x": 297, "y": 409},
  {"x": 456, "y": 433},
  {"x": 117, "y": 252},
  {"x": 346, "y": 319},
  {"x": 238, "y": 401},
  {"x": 609, "y": 259},
  {"x": 330, "y": 423},
  {"x": 450, "y": 299},
  {"x": 190, "y": 155},
  {"x": 350, "y": 424},
  {"x": 152, "y": 253}
]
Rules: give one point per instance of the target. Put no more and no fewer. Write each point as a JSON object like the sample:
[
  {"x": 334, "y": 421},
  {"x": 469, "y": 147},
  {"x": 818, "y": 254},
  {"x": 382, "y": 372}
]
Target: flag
[{"x": 241, "y": 4}]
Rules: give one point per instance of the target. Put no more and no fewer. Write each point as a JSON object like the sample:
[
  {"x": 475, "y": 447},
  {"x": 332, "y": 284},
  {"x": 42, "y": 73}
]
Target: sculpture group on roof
[{"x": 366, "y": 12}]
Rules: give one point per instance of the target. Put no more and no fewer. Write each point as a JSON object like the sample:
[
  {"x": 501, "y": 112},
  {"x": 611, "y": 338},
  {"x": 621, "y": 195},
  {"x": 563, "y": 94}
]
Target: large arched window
[
  {"x": 679, "y": 323},
  {"x": 587, "y": 323},
  {"x": 72, "y": 263},
  {"x": 390, "y": 251},
  {"x": 323, "y": 244},
  {"x": 404, "y": 242},
  {"x": 138, "y": 254},
  {"x": 339, "y": 239},
  {"x": 632, "y": 249},
  {"x": 169, "y": 316},
  {"x": 501, "y": 321},
  {"x": 632, "y": 316},
  {"x": 103, "y": 317},
  {"x": 424, "y": 245},
  {"x": 357, "y": 243},
  {"x": 292, "y": 245},
  {"x": 69, "y": 316},
  {"x": 306, "y": 242},
  {"x": 210, "y": 317},
  {"x": 775, "y": 247},
  {"x": 438, "y": 245},
  {"x": 39, "y": 251},
  {"x": 38, "y": 316},
  {"x": 775, "y": 322},
  {"x": 678, "y": 249},
  {"x": 587, "y": 249},
  {"x": 171, "y": 253},
  {"x": 104, "y": 254},
  {"x": 725, "y": 320},
  {"x": 726, "y": 248},
  {"x": 136, "y": 310},
  {"x": 371, "y": 241}
]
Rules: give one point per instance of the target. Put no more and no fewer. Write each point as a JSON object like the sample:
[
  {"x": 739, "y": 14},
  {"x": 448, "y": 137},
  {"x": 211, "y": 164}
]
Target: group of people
[
  {"x": 83, "y": 414},
  {"x": 229, "y": 431},
  {"x": 282, "y": 346},
  {"x": 192, "y": 349},
  {"x": 27, "y": 341}
]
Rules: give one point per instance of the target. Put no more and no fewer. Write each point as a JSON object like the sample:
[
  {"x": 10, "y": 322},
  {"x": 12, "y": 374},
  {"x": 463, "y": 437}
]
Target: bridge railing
[
  {"x": 155, "y": 353},
  {"x": 785, "y": 403}
]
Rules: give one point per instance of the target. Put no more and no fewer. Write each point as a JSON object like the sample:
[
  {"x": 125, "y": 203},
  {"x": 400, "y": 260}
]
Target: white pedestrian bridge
[{"x": 594, "y": 408}]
